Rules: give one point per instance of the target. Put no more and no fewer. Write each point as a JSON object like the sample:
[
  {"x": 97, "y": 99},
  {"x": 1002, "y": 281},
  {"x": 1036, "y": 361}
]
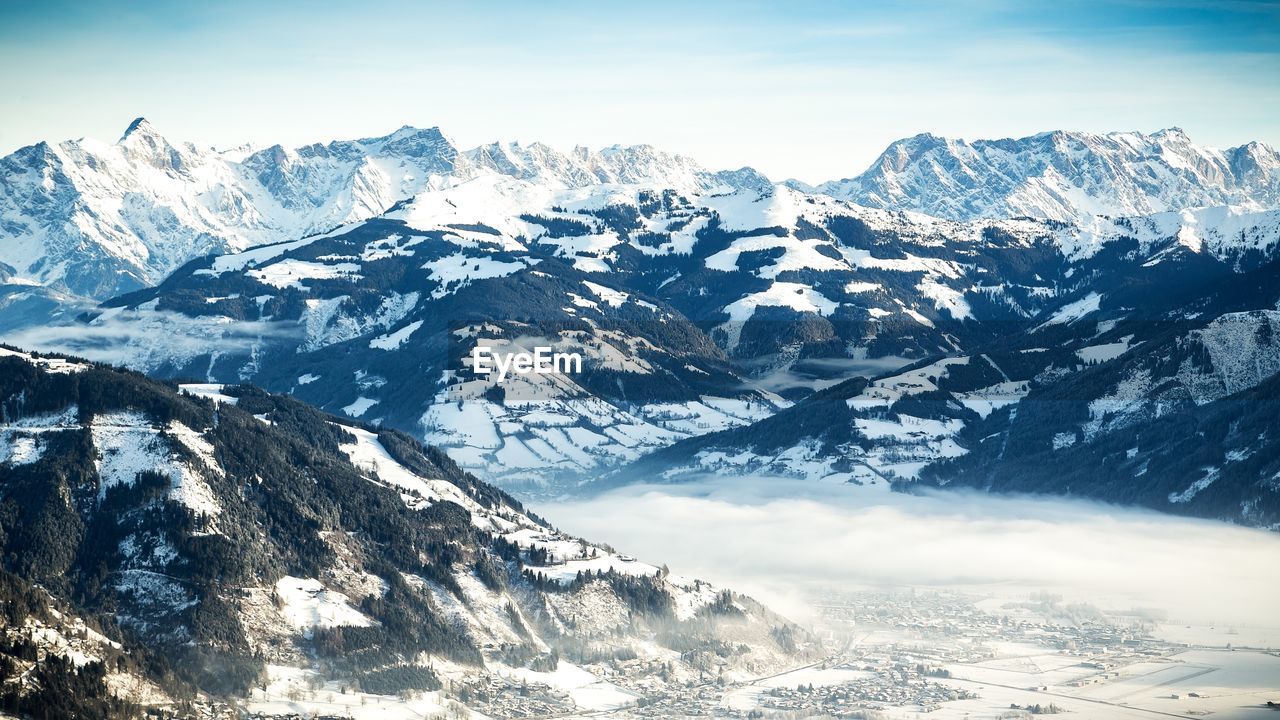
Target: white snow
[
  {"x": 48, "y": 364},
  {"x": 589, "y": 253},
  {"x": 391, "y": 341},
  {"x": 587, "y": 691},
  {"x": 1074, "y": 311},
  {"x": 916, "y": 316},
  {"x": 985, "y": 400},
  {"x": 1244, "y": 348},
  {"x": 796, "y": 296},
  {"x": 291, "y": 272},
  {"x": 292, "y": 691},
  {"x": 212, "y": 391},
  {"x": 328, "y": 321},
  {"x": 907, "y": 427},
  {"x": 17, "y": 448},
  {"x": 614, "y": 298},
  {"x": 1220, "y": 230},
  {"x": 857, "y": 286},
  {"x": 749, "y": 210},
  {"x": 887, "y": 391},
  {"x": 368, "y": 455},
  {"x": 1128, "y": 397},
  {"x": 393, "y": 245},
  {"x": 307, "y": 604},
  {"x": 1064, "y": 440},
  {"x": 128, "y": 443},
  {"x": 259, "y": 255},
  {"x": 359, "y": 406},
  {"x": 797, "y": 255},
  {"x": 1094, "y": 354},
  {"x": 1210, "y": 475},
  {"x": 945, "y": 298},
  {"x": 456, "y": 271}
]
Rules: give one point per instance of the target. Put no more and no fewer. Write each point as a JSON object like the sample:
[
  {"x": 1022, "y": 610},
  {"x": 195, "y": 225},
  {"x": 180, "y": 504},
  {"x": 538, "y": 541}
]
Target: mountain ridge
[
  {"x": 1171, "y": 407},
  {"x": 97, "y": 219},
  {"x": 1063, "y": 175}
]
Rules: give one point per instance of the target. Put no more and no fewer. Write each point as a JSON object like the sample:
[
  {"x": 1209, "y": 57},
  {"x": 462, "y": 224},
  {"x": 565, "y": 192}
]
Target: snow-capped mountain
[
  {"x": 208, "y": 551},
  {"x": 96, "y": 219},
  {"x": 1064, "y": 176},
  {"x": 618, "y": 165}
]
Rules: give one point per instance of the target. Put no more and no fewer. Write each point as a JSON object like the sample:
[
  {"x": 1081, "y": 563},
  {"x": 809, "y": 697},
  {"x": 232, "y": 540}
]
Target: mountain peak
[
  {"x": 924, "y": 139},
  {"x": 139, "y": 126},
  {"x": 408, "y": 134},
  {"x": 142, "y": 142},
  {"x": 410, "y": 131},
  {"x": 425, "y": 144}
]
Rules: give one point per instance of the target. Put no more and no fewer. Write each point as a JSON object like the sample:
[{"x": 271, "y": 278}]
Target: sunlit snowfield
[{"x": 1102, "y": 611}]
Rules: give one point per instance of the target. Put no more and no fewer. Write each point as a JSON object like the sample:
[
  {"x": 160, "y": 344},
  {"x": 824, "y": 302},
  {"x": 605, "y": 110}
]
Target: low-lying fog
[{"x": 783, "y": 540}]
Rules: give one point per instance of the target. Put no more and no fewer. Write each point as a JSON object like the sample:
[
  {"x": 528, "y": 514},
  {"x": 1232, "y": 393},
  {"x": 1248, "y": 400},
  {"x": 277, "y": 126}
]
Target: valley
[{"x": 932, "y": 606}]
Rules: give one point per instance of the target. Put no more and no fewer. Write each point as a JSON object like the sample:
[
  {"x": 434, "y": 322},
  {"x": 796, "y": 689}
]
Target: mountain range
[
  {"x": 1063, "y": 176},
  {"x": 729, "y": 325},
  {"x": 97, "y": 219}
]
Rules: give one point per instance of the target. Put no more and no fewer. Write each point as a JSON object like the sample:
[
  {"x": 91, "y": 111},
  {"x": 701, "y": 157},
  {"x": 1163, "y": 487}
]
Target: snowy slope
[
  {"x": 246, "y": 546},
  {"x": 403, "y": 305},
  {"x": 702, "y": 301}
]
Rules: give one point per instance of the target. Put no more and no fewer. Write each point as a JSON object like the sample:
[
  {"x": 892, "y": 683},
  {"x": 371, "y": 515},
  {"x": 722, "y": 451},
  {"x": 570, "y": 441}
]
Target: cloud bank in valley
[
  {"x": 145, "y": 340},
  {"x": 779, "y": 538}
]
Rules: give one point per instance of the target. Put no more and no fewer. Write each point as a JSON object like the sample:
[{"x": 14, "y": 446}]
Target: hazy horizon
[{"x": 564, "y": 148}]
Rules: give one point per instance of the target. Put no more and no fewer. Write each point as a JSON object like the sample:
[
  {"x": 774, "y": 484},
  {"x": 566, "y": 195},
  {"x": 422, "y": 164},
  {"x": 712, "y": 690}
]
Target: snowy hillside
[
  {"x": 219, "y": 542},
  {"x": 1171, "y": 406},
  {"x": 1064, "y": 176},
  {"x": 374, "y": 321}
]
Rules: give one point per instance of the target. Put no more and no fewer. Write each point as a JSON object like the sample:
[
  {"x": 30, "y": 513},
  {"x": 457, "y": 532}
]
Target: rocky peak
[{"x": 142, "y": 142}]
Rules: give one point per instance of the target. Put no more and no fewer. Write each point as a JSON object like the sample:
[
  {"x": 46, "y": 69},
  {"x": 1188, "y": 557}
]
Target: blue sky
[{"x": 813, "y": 90}]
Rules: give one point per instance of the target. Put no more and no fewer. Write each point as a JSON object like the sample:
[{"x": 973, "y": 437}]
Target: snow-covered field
[
  {"x": 304, "y": 693},
  {"x": 588, "y": 692}
]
